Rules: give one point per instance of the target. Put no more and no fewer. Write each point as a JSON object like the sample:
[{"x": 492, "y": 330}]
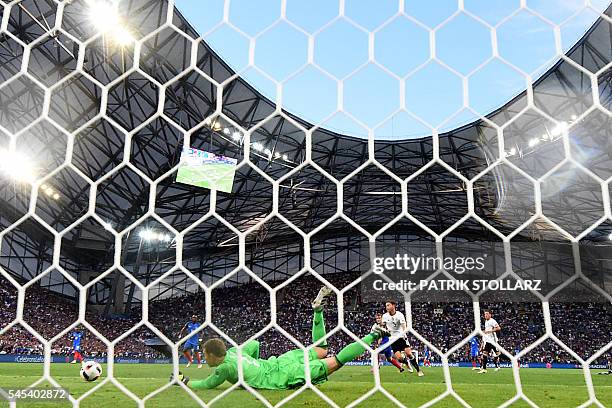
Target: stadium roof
[{"x": 372, "y": 198}]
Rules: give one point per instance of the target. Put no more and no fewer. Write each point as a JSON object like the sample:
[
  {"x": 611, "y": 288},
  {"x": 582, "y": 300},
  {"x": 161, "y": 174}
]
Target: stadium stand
[{"x": 238, "y": 310}]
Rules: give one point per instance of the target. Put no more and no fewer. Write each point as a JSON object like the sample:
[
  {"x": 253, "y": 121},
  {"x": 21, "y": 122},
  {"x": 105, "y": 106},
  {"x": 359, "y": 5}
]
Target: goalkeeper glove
[{"x": 182, "y": 378}]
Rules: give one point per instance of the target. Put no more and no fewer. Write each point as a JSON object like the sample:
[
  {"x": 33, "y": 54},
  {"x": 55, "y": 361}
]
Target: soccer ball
[{"x": 91, "y": 371}]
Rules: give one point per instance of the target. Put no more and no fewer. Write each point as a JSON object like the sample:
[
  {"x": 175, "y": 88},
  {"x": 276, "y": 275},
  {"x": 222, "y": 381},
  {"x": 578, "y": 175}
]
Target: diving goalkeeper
[{"x": 285, "y": 371}]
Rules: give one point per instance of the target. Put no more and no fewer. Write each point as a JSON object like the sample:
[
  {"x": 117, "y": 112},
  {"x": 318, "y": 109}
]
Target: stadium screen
[{"x": 208, "y": 170}]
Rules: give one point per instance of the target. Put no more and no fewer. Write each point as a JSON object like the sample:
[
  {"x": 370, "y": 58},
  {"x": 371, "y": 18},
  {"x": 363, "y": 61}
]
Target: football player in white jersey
[
  {"x": 489, "y": 340},
  {"x": 395, "y": 322}
]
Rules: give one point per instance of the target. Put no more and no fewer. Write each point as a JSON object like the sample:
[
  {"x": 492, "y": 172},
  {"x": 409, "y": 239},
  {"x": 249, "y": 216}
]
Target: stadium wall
[
  {"x": 502, "y": 365},
  {"x": 20, "y": 358}
]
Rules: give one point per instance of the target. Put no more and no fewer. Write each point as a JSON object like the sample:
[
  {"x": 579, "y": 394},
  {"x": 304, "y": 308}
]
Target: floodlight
[
  {"x": 150, "y": 235},
  {"x": 560, "y": 128},
  {"x": 49, "y": 191},
  {"x": 104, "y": 16},
  {"x": 534, "y": 142},
  {"x": 122, "y": 36},
  {"x": 17, "y": 166},
  {"x": 147, "y": 234},
  {"x": 610, "y": 236},
  {"x": 285, "y": 158},
  {"x": 236, "y": 136},
  {"x": 258, "y": 146},
  {"x": 56, "y": 196},
  {"x": 226, "y": 131}
]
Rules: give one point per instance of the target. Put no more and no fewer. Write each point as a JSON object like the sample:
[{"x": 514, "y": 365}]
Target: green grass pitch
[{"x": 546, "y": 387}]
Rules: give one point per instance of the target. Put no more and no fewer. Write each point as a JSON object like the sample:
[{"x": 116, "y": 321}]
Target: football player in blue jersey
[
  {"x": 474, "y": 352},
  {"x": 192, "y": 345},
  {"x": 76, "y": 336}
]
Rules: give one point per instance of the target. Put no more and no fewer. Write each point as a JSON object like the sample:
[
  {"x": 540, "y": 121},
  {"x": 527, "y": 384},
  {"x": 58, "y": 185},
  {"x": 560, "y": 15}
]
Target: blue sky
[{"x": 401, "y": 68}]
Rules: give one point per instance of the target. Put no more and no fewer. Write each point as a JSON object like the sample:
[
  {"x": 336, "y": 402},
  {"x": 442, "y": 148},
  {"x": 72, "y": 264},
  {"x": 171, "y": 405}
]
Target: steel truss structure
[{"x": 502, "y": 197}]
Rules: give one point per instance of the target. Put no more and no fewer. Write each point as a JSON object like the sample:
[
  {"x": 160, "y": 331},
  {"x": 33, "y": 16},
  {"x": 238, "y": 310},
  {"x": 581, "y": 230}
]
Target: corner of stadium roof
[{"x": 274, "y": 251}]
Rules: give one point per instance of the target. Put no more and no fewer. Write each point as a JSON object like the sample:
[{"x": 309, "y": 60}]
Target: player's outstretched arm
[
  {"x": 212, "y": 381},
  {"x": 182, "y": 330}
]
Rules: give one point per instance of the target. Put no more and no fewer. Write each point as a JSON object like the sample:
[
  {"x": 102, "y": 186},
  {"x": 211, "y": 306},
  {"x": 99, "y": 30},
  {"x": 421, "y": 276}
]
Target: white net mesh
[{"x": 88, "y": 92}]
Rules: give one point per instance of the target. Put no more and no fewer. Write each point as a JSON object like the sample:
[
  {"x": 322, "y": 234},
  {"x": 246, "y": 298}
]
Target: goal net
[{"x": 228, "y": 159}]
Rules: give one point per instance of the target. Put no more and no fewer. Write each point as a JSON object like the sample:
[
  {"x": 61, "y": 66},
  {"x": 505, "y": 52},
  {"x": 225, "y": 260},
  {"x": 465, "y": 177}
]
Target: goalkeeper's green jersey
[{"x": 275, "y": 373}]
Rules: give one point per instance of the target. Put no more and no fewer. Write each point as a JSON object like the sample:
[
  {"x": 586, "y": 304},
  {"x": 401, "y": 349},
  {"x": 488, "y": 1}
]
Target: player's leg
[
  {"x": 398, "y": 347},
  {"x": 318, "y": 331},
  {"x": 388, "y": 352},
  {"x": 497, "y": 358},
  {"x": 77, "y": 358},
  {"x": 187, "y": 354},
  {"x": 484, "y": 361},
  {"x": 198, "y": 357},
  {"x": 353, "y": 350},
  {"x": 391, "y": 358},
  {"x": 485, "y": 358},
  {"x": 397, "y": 353},
  {"x": 474, "y": 361},
  {"x": 395, "y": 362},
  {"x": 412, "y": 359}
]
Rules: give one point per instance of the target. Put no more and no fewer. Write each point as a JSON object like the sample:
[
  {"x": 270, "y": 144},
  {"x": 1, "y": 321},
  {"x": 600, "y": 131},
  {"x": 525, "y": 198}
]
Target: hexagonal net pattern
[{"x": 105, "y": 111}]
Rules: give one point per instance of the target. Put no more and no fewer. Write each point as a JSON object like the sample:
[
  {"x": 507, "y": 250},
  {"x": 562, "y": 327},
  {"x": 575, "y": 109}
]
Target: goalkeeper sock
[
  {"x": 188, "y": 356},
  {"x": 318, "y": 328},
  {"x": 414, "y": 363},
  {"x": 354, "y": 350},
  {"x": 395, "y": 363},
  {"x": 484, "y": 362}
]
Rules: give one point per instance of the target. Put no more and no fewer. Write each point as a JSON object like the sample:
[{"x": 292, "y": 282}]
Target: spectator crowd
[{"x": 243, "y": 311}]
